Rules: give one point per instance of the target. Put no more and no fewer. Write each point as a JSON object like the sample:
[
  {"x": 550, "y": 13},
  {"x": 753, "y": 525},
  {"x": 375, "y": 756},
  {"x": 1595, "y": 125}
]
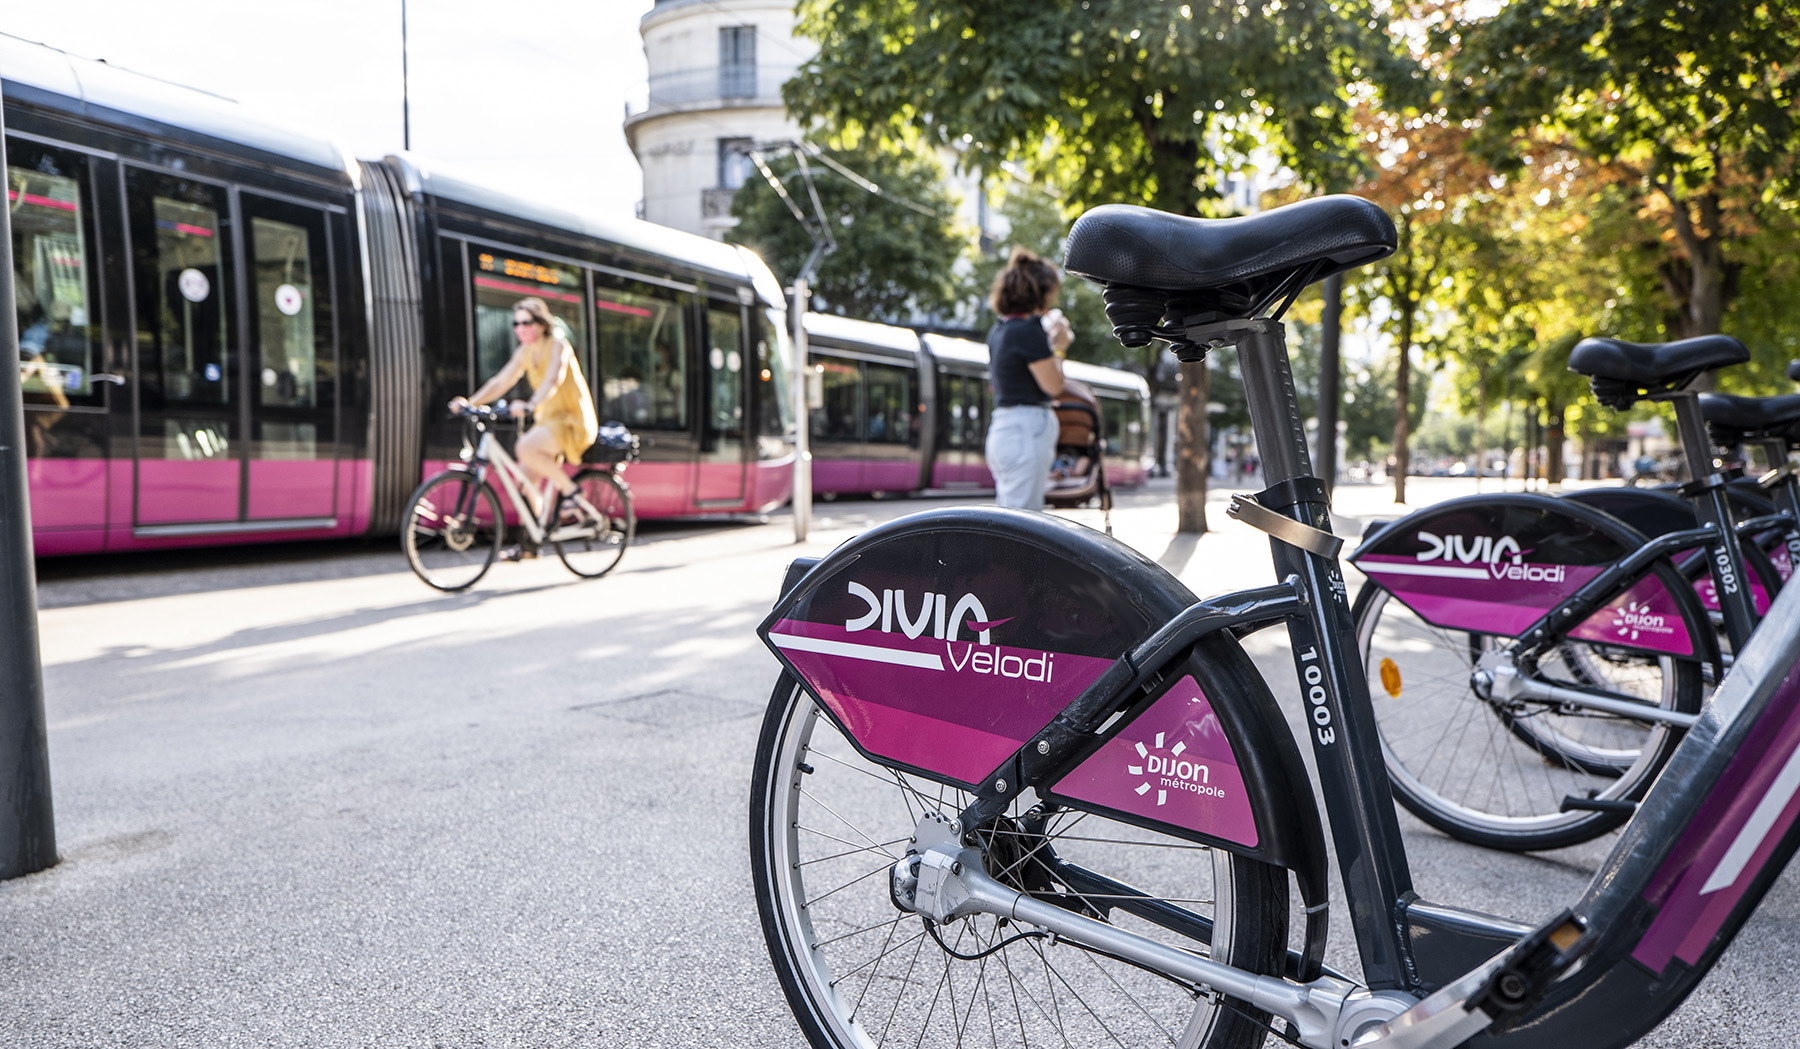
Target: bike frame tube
[
  {"x": 1359, "y": 800},
  {"x": 1730, "y": 577},
  {"x": 488, "y": 452}
]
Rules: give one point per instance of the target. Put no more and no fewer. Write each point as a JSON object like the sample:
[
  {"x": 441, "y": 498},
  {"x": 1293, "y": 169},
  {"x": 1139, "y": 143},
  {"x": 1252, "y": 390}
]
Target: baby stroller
[{"x": 1078, "y": 473}]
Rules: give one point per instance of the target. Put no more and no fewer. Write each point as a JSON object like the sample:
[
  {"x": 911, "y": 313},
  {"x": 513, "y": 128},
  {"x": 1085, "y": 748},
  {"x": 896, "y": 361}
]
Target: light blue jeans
[{"x": 1021, "y": 443}]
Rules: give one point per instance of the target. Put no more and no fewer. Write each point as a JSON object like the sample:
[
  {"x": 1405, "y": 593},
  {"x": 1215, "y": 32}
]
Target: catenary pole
[{"x": 27, "y": 829}]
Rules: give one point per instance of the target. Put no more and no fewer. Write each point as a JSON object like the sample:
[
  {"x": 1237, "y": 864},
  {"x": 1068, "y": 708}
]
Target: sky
[{"x": 527, "y": 97}]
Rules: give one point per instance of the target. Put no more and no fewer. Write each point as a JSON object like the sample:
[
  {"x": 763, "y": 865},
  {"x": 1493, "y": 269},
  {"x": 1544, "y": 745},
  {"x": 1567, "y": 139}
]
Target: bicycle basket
[{"x": 615, "y": 444}]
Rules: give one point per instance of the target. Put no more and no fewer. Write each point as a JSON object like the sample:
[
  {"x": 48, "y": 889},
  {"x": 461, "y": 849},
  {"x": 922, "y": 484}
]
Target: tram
[
  {"x": 231, "y": 333},
  {"x": 895, "y": 411},
  {"x": 234, "y": 333}
]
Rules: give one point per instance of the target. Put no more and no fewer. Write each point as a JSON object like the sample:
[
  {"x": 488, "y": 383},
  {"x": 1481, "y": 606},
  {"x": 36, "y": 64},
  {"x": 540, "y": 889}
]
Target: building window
[
  {"x": 737, "y": 61},
  {"x": 734, "y": 162}
]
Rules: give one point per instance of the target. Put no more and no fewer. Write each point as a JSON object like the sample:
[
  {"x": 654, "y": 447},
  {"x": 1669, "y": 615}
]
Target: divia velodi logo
[
  {"x": 945, "y": 618},
  {"x": 1491, "y": 552}
]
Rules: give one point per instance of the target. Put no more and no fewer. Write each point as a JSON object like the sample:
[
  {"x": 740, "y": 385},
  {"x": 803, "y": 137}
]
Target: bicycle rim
[
  {"x": 1501, "y": 777},
  {"x": 452, "y": 532},
  {"x": 596, "y": 553},
  {"x": 827, "y": 825}
]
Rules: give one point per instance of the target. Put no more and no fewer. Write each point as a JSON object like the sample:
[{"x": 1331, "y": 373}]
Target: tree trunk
[
  {"x": 1192, "y": 451},
  {"x": 1553, "y": 445},
  {"x": 1402, "y": 405}
]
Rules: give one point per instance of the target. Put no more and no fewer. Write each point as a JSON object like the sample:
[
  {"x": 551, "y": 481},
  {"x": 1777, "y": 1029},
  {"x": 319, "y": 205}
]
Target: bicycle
[
  {"x": 1015, "y": 785},
  {"x": 1513, "y": 741},
  {"x": 455, "y": 527}
]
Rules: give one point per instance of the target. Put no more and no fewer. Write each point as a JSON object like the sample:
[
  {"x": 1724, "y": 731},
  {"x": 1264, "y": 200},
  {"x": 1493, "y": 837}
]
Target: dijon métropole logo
[
  {"x": 1164, "y": 769},
  {"x": 1635, "y": 618}
]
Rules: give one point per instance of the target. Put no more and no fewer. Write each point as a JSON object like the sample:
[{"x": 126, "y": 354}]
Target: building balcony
[{"x": 711, "y": 87}]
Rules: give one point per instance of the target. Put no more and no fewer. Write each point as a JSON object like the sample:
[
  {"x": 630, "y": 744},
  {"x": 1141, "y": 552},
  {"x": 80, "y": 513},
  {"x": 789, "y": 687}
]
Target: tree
[
  {"x": 1690, "y": 102},
  {"x": 893, "y": 261},
  {"x": 1108, "y": 100}
]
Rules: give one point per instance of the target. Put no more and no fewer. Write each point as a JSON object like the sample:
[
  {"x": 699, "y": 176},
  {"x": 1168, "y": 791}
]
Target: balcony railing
[{"x": 715, "y": 85}]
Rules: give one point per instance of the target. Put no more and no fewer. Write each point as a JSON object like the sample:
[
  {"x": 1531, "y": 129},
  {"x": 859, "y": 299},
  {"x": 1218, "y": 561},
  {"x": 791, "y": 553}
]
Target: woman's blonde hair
[
  {"x": 1025, "y": 285},
  {"x": 540, "y": 312}
]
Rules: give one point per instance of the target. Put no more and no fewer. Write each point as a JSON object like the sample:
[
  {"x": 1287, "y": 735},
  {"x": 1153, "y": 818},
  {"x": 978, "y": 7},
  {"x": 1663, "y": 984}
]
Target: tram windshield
[{"x": 503, "y": 279}]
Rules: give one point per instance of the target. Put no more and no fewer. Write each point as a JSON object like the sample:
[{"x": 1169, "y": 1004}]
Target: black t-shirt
[{"x": 1013, "y": 344}]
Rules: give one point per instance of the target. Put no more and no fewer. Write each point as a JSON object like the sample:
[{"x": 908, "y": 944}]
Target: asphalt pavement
[{"x": 303, "y": 800}]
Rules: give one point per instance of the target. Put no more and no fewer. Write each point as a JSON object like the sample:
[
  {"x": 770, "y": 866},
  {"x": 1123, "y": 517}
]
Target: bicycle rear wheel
[
  {"x": 452, "y": 531},
  {"x": 602, "y": 542},
  {"x": 1499, "y": 775},
  {"x": 827, "y": 825}
]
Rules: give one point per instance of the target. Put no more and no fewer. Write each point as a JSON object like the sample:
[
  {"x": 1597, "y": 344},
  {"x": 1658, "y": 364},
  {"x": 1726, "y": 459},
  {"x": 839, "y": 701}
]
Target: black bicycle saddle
[
  {"x": 1745, "y": 418},
  {"x": 1252, "y": 255},
  {"x": 1623, "y": 373}
]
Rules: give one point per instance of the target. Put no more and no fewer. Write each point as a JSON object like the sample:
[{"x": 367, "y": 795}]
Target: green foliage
[
  {"x": 892, "y": 263},
  {"x": 1110, "y": 100},
  {"x": 1687, "y": 103}
]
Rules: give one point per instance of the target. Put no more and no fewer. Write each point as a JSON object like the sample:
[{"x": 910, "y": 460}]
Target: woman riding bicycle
[{"x": 564, "y": 422}]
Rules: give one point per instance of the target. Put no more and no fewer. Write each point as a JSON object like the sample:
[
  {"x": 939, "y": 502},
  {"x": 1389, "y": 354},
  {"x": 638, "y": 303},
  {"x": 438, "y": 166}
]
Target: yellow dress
[{"x": 569, "y": 409}]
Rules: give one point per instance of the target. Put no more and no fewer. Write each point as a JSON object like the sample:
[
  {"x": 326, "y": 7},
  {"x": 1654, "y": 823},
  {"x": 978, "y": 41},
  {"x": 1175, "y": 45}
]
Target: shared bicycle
[
  {"x": 1017, "y": 786},
  {"x": 455, "y": 528}
]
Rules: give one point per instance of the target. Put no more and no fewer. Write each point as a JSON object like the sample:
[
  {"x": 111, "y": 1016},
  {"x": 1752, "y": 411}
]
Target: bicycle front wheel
[
  {"x": 452, "y": 531},
  {"x": 602, "y": 541},
  {"x": 826, "y": 827},
  {"x": 1513, "y": 775}
]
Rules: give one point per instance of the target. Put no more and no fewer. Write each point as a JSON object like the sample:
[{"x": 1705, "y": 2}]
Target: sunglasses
[{"x": 523, "y": 324}]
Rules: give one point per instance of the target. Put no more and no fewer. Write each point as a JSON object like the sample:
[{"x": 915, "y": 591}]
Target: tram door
[
  {"x": 234, "y": 358},
  {"x": 722, "y": 447}
]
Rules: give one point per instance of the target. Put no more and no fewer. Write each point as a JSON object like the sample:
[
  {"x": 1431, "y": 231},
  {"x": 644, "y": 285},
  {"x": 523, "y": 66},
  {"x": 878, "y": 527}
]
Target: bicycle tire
[
  {"x": 595, "y": 554},
  {"x": 859, "y": 972},
  {"x": 1498, "y": 778},
  {"x": 453, "y": 530}
]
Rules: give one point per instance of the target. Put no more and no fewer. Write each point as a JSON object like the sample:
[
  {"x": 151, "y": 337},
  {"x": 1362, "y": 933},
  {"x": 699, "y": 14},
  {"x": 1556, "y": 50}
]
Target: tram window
[
  {"x": 180, "y": 244},
  {"x": 835, "y": 417},
  {"x": 725, "y": 370},
  {"x": 502, "y": 279},
  {"x": 774, "y": 397},
  {"x": 284, "y": 303},
  {"x": 644, "y": 357},
  {"x": 59, "y": 334},
  {"x": 891, "y": 401}
]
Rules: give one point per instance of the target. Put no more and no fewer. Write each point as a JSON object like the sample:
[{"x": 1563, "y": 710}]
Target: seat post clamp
[{"x": 1293, "y": 533}]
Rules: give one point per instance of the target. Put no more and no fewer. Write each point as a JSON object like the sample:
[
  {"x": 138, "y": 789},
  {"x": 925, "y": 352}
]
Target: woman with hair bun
[
  {"x": 564, "y": 422},
  {"x": 1025, "y": 361}
]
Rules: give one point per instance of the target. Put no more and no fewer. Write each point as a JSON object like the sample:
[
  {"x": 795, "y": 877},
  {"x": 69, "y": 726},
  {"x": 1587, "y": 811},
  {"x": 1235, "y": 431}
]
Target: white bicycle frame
[{"x": 489, "y": 452}]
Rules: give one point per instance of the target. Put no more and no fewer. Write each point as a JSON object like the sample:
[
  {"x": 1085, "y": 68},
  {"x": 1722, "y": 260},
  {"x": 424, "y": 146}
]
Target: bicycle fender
[
  {"x": 1495, "y": 564},
  {"x": 942, "y": 642}
]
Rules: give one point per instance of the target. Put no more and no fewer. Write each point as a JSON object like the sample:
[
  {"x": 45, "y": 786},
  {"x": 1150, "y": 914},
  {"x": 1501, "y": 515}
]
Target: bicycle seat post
[{"x": 1372, "y": 856}]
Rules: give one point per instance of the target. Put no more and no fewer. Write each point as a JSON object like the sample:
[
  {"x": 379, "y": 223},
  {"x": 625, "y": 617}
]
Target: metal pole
[
  {"x": 1330, "y": 380},
  {"x": 405, "y": 87},
  {"x": 802, "y": 446},
  {"x": 27, "y": 826}
]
